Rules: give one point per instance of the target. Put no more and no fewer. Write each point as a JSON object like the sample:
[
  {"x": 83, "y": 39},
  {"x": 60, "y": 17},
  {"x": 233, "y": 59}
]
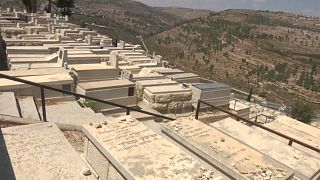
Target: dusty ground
[
  {"x": 76, "y": 139},
  {"x": 7, "y": 124}
]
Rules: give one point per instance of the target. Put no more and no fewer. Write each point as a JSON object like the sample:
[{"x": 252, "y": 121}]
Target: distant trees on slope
[
  {"x": 65, "y": 6},
  {"x": 31, "y": 5},
  {"x": 303, "y": 112}
]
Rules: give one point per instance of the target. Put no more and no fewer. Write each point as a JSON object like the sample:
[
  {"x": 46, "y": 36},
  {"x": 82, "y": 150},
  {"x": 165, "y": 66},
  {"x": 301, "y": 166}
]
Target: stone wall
[{"x": 175, "y": 103}]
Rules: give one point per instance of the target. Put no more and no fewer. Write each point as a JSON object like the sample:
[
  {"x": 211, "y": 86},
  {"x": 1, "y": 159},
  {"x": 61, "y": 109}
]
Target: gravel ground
[{"x": 76, "y": 139}]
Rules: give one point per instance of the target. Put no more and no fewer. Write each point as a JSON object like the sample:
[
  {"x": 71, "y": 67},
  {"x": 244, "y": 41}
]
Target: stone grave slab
[
  {"x": 313, "y": 131},
  {"x": 28, "y": 108},
  {"x": 126, "y": 149},
  {"x": 304, "y": 164},
  {"x": 38, "y": 151},
  {"x": 290, "y": 131},
  {"x": 10, "y": 108},
  {"x": 224, "y": 152}
]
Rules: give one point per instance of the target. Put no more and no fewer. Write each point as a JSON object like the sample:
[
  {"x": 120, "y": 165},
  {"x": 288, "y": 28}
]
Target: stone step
[
  {"x": 38, "y": 151},
  {"x": 305, "y": 165},
  {"x": 8, "y": 104},
  {"x": 70, "y": 114},
  {"x": 233, "y": 157},
  {"x": 28, "y": 108},
  {"x": 127, "y": 149}
]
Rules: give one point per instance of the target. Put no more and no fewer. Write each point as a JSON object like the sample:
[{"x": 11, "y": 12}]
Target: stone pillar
[
  {"x": 8, "y": 9},
  {"x": 122, "y": 44},
  {"x": 58, "y": 37},
  {"x": 63, "y": 57},
  {"x": 114, "y": 60},
  {"x": 89, "y": 40},
  {"x": 66, "y": 18}
]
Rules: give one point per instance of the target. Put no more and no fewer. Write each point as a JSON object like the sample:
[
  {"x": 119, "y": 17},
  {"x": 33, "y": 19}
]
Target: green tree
[
  {"x": 65, "y": 6},
  {"x": 303, "y": 112},
  {"x": 31, "y": 5}
]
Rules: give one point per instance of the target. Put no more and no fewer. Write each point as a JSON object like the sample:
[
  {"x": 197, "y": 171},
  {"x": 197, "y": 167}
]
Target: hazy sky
[{"x": 308, "y": 7}]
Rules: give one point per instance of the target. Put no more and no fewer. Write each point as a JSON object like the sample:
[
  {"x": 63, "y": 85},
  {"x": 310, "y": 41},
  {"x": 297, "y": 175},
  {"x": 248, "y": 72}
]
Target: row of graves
[{"x": 48, "y": 49}]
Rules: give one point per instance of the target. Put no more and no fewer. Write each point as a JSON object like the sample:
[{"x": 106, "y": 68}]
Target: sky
[{"x": 307, "y": 7}]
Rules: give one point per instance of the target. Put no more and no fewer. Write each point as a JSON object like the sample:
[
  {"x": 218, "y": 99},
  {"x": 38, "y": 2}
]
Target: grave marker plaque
[
  {"x": 38, "y": 151},
  {"x": 222, "y": 151},
  {"x": 138, "y": 153}
]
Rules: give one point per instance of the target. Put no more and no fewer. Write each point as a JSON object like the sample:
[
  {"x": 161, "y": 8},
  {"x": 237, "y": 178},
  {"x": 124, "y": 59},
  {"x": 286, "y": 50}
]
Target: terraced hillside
[
  {"x": 124, "y": 17},
  {"x": 275, "y": 52}
]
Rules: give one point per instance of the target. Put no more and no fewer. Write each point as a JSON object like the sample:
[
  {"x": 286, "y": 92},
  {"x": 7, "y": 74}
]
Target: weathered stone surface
[
  {"x": 156, "y": 106},
  {"x": 38, "y": 152},
  {"x": 139, "y": 153},
  {"x": 234, "y": 158},
  {"x": 182, "y": 96},
  {"x": 175, "y": 105},
  {"x": 149, "y": 97},
  {"x": 163, "y": 98},
  {"x": 304, "y": 164}
]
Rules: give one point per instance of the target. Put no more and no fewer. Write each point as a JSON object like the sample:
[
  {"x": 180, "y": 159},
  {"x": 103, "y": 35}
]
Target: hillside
[
  {"x": 245, "y": 48},
  {"x": 185, "y": 13},
  {"x": 124, "y": 17}
]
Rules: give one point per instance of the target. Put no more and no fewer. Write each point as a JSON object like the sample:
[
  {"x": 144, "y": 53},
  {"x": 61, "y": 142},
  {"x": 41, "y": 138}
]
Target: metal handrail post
[
  {"x": 43, "y": 105},
  {"x": 198, "y": 109}
]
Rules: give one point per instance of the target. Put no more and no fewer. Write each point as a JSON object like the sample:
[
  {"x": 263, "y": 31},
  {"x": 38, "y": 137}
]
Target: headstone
[
  {"x": 89, "y": 40},
  {"x": 38, "y": 151},
  {"x": 114, "y": 60},
  {"x": 8, "y": 9},
  {"x": 63, "y": 57},
  {"x": 122, "y": 44},
  {"x": 230, "y": 155},
  {"x": 24, "y": 11},
  {"x": 58, "y": 37},
  {"x": 66, "y": 18},
  {"x": 123, "y": 148}
]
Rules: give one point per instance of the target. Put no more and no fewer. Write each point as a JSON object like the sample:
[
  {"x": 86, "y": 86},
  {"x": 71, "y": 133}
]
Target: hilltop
[{"x": 185, "y": 13}]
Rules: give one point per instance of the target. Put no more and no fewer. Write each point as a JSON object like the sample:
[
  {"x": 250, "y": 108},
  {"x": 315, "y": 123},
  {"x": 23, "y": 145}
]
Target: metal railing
[
  {"x": 268, "y": 118},
  {"x": 238, "y": 118},
  {"x": 77, "y": 96}
]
